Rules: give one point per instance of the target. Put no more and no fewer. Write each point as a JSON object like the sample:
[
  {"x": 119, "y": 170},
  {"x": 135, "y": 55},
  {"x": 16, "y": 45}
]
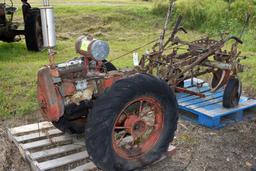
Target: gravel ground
[{"x": 198, "y": 149}]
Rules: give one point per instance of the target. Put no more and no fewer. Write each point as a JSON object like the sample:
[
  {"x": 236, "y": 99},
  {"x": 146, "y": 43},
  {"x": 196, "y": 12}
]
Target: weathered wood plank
[
  {"x": 30, "y": 127},
  {"x": 219, "y": 110},
  {"x": 46, "y": 142},
  {"x": 54, "y": 151},
  {"x": 40, "y": 134},
  {"x": 206, "y": 103},
  {"x": 51, "y": 164},
  {"x": 86, "y": 167},
  {"x": 11, "y": 138}
]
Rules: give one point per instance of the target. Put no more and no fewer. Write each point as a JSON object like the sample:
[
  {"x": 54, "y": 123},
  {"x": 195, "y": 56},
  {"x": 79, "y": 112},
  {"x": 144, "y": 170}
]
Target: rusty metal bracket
[{"x": 183, "y": 90}]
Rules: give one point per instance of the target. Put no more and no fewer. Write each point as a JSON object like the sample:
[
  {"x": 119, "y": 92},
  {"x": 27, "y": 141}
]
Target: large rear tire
[
  {"x": 135, "y": 127},
  {"x": 33, "y": 30}
]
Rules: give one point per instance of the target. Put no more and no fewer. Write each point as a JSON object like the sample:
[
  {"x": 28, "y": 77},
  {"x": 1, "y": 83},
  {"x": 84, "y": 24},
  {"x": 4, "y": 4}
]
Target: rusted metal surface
[
  {"x": 175, "y": 61},
  {"x": 220, "y": 78},
  {"x": 68, "y": 87},
  {"x": 49, "y": 97},
  {"x": 72, "y": 83},
  {"x": 109, "y": 81},
  {"x": 178, "y": 60},
  {"x": 142, "y": 116},
  {"x": 171, "y": 59},
  {"x": 183, "y": 90}
]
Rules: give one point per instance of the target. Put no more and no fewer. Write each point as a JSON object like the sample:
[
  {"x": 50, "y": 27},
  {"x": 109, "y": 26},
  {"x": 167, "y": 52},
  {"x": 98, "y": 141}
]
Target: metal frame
[
  {"x": 9, "y": 30},
  {"x": 176, "y": 60}
]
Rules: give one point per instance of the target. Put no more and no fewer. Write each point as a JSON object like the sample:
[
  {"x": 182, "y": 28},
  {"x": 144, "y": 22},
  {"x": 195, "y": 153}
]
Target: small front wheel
[
  {"x": 232, "y": 93},
  {"x": 131, "y": 124}
]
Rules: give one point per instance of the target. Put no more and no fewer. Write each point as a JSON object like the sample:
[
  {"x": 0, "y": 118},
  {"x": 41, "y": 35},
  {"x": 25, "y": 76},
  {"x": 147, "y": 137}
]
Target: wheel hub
[{"x": 135, "y": 126}]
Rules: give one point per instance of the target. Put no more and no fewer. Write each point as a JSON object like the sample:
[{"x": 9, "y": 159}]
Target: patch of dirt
[
  {"x": 198, "y": 148},
  {"x": 10, "y": 158}
]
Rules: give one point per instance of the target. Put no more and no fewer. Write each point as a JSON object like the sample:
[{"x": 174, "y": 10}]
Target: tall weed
[{"x": 211, "y": 16}]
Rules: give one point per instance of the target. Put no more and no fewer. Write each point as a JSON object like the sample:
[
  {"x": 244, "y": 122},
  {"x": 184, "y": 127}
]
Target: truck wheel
[
  {"x": 232, "y": 93},
  {"x": 33, "y": 31},
  {"x": 74, "y": 118},
  {"x": 131, "y": 124}
]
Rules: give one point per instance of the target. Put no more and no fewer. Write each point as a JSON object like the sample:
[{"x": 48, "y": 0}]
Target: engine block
[{"x": 72, "y": 83}]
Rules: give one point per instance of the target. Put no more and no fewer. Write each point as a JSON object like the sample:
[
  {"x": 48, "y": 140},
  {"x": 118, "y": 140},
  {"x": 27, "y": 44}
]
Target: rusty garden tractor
[
  {"x": 129, "y": 116},
  {"x": 10, "y": 31}
]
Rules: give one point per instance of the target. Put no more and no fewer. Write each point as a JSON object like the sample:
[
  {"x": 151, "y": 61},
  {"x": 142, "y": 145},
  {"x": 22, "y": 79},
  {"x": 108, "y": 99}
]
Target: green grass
[
  {"x": 59, "y": 2},
  {"x": 125, "y": 27}
]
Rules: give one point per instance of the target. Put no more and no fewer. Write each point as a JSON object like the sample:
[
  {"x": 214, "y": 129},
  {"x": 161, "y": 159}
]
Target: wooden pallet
[
  {"x": 209, "y": 111},
  {"x": 47, "y": 148}
]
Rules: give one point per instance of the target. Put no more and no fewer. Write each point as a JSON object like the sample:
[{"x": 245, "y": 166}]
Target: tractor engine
[{"x": 76, "y": 82}]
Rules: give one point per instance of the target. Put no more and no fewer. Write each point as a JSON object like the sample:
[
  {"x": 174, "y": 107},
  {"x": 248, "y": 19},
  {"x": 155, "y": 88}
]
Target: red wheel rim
[{"x": 138, "y": 127}]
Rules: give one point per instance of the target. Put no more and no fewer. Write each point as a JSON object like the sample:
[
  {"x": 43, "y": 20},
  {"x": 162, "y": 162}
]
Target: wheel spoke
[
  {"x": 124, "y": 113},
  {"x": 141, "y": 106},
  {"x": 121, "y": 138},
  {"x": 150, "y": 125},
  {"x": 121, "y": 127},
  {"x": 145, "y": 114}
]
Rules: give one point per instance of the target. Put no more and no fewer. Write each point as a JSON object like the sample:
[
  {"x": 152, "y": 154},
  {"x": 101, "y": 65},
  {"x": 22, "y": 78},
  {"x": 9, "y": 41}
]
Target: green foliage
[
  {"x": 240, "y": 8},
  {"x": 160, "y": 7},
  {"x": 211, "y": 16},
  {"x": 229, "y": 1},
  {"x": 195, "y": 12}
]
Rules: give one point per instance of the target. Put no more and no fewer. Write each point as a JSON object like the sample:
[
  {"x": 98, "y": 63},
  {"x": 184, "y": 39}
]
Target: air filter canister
[{"x": 87, "y": 46}]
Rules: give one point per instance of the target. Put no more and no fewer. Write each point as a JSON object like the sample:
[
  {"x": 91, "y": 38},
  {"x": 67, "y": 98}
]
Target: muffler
[{"x": 48, "y": 25}]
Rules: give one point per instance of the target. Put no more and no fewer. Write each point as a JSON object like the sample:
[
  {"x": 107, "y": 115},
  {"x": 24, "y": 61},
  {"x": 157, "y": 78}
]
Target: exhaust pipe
[{"x": 48, "y": 25}]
